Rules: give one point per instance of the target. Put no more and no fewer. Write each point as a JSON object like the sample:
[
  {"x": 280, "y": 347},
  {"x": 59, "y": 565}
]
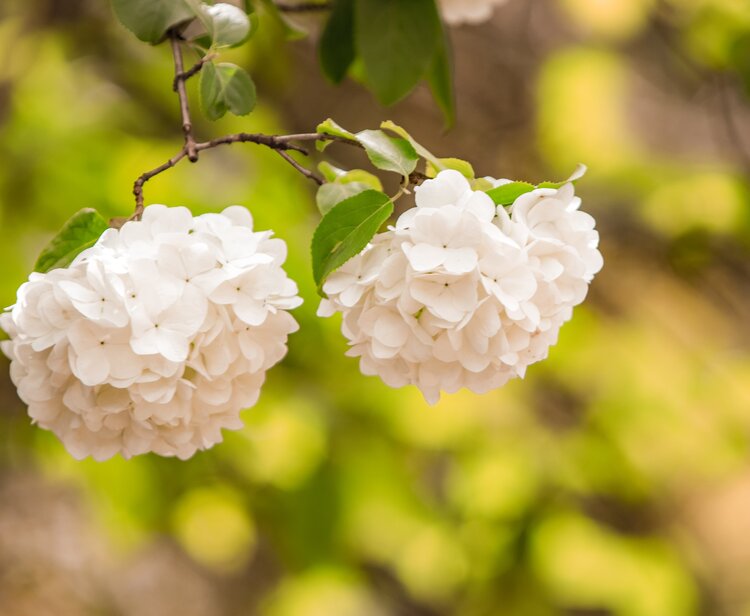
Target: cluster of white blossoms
[
  {"x": 461, "y": 293},
  {"x": 457, "y": 12},
  {"x": 154, "y": 338}
]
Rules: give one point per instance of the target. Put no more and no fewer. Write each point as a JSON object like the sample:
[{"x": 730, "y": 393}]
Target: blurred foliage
[{"x": 595, "y": 486}]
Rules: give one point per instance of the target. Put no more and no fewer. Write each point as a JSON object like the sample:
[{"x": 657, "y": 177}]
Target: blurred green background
[{"x": 615, "y": 479}]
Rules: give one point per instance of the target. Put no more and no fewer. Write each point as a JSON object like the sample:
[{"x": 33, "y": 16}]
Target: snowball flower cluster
[
  {"x": 154, "y": 338},
  {"x": 461, "y": 293},
  {"x": 468, "y": 11}
]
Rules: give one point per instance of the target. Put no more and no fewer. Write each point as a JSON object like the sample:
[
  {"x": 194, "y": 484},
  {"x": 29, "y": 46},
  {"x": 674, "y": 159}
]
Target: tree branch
[
  {"x": 280, "y": 143},
  {"x": 193, "y": 70},
  {"x": 179, "y": 81},
  {"x": 304, "y": 171},
  {"x": 275, "y": 142},
  {"x": 145, "y": 177},
  {"x": 190, "y": 149}
]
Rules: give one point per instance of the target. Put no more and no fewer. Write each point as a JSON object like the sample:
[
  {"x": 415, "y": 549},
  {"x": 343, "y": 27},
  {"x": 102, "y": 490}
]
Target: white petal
[
  {"x": 424, "y": 257},
  {"x": 250, "y": 311}
]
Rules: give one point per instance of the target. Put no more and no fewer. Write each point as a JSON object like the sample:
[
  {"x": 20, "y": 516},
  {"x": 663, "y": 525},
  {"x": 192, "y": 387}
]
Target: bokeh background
[{"x": 613, "y": 480}]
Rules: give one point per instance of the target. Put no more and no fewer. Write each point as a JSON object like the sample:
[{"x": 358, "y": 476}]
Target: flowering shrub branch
[
  {"x": 193, "y": 70},
  {"x": 191, "y": 148},
  {"x": 180, "y": 79},
  {"x": 153, "y": 332},
  {"x": 279, "y": 143}
]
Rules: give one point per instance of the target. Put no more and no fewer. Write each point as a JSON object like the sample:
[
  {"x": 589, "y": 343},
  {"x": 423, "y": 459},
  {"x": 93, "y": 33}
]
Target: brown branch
[
  {"x": 280, "y": 143},
  {"x": 190, "y": 149},
  {"x": 318, "y": 137},
  {"x": 303, "y": 170},
  {"x": 303, "y": 7},
  {"x": 275, "y": 142},
  {"x": 187, "y": 125},
  {"x": 145, "y": 177},
  {"x": 193, "y": 70}
]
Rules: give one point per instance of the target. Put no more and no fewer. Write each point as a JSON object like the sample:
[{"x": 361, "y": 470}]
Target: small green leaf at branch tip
[
  {"x": 81, "y": 231},
  {"x": 342, "y": 184},
  {"x": 402, "y": 132},
  {"x": 389, "y": 153},
  {"x": 342, "y": 176},
  {"x": 331, "y": 194},
  {"x": 481, "y": 184},
  {"x": 330, "y": 127},
  {"x": 226, "y": 87},
  {"x": 149, "y": 20},
  {"x": 577, "y": 174},
  {"x": 346, "y": 230},
  {"x": 361, "y": 176},
  {"x": 441, "y": 164},
  {"x": 329, "y": 172},
  {"x": 508, "y": 193}
]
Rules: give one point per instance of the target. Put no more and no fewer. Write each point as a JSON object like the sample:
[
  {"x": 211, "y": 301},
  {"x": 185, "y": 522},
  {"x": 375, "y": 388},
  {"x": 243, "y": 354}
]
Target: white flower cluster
[
  {"x": 154, "y": 338},
  {"x": 457, "y": 12},
  {"x": 462, "y": 294}
]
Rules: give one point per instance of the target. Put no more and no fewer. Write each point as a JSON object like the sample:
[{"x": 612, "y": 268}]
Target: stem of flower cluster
[
  {"x": 191, "y": 148},
  {"x": 193, "y": 70},
  {"x": 179, "y": 82}
]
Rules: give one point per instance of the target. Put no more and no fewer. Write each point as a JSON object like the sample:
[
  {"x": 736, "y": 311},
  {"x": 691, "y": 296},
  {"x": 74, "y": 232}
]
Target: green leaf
[
  {"x": 508, "y": 193},
  {"x": 226, "y": 87},
  {"x": 440, "y": 78},
  {"x": 402, "y": 132},
  {"x": 389, "y": 153},
  {"x": 337, "y": 41},
  {"x": 361, "y": 176},
  {"x": 226, "y": 24},
  {"x": 346, "y": 229},
  {"x": 290, "y": 31},
  {"x": 81, "y": 231},
  {"x": 332, "y": 193},
  {"x": 434, "y": 164},
  {"x": 462, "y": 166},
  {"x": 396, "y": 40},
  {"x": 343, "y": 184},
  {"x": 149, "y": 20},
  {"x": 330, "y": 127},
  {"x": 330, "y": 173},
  {"x": 482, "y": 184},
  {"x": 577, "y": 174}
]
